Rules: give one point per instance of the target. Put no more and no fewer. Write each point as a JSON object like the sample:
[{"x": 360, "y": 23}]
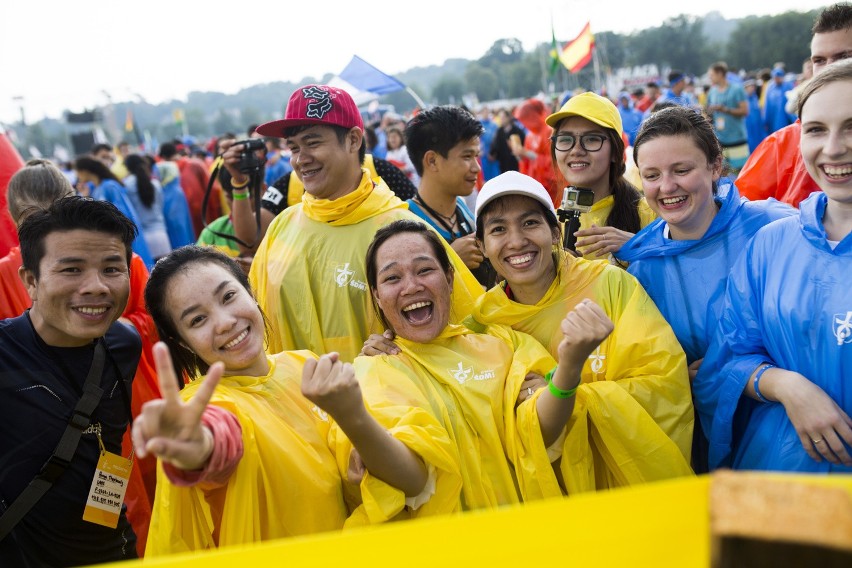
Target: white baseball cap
[{"x": 513, "y": 183}]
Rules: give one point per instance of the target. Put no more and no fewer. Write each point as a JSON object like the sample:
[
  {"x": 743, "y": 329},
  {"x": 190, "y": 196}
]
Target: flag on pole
[
  {"x": 554, "y": 50},
  {"x": 577, "y": 53},
  {"x": 131, "y": 126},
  {"x": 365, "y": 77},
  {"x": 178, "y": 115}
]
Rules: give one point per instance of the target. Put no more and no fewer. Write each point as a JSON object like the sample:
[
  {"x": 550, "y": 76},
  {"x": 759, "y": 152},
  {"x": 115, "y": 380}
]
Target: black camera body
[
  {"x": 249, "y": 162},
  {"x": 575, "y": 202}
]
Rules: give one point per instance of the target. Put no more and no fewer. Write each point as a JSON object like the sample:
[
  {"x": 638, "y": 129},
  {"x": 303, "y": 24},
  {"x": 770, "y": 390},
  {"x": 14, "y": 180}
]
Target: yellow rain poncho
[
  {"x": 452, "y": 401},
  {"x": 633, "y": 418},
  {"x": 286, "y": 483},
  {"x": 309, "y": 272}
]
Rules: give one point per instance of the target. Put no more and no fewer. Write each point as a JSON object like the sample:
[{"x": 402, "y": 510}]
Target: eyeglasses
[{"x": 589, "y": 142}]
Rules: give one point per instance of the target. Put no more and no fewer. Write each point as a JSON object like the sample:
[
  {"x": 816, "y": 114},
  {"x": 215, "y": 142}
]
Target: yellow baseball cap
[{"x": 590, "y": 106}]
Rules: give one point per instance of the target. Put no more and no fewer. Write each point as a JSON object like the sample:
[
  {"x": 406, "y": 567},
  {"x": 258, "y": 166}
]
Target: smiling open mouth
[
  {"x": 237, "y": 340},
  {"x": 520, "y": 259},
  {"x": 837, "y": 172},
  {"x": 674, "y": 200},
  {"x": 92, "y": 311},
  {"x": 418, "y": 312}
]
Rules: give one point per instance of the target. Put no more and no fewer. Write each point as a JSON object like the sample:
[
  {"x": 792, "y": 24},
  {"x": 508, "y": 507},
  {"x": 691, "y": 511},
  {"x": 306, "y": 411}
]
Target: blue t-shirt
[
  {"x": 39, "y": 388},
  {"x": 466, "y": 222},
  {"x": 730, "y": 129}
]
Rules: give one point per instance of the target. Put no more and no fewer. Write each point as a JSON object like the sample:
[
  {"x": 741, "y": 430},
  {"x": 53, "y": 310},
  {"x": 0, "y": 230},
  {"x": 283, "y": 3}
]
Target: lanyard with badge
[{"x": 103, "y": 506}]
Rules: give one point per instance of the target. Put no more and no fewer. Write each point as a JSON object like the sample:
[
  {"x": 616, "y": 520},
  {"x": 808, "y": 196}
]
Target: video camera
[
  {"x": 249, "y": 162},
  {"x": 575, "y": 202}
]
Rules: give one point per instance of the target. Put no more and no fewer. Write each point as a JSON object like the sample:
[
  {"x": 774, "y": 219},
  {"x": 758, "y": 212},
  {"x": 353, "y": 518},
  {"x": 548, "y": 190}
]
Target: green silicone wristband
[{"x": 556, "y": 391}]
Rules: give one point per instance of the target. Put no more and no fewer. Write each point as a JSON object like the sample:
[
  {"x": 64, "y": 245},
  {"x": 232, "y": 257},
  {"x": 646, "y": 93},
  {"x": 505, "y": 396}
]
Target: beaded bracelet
[
  {"x": 240, "y": 185},
  {"x": 556, "y": 391},
  {"x": 757, "y": 382}
]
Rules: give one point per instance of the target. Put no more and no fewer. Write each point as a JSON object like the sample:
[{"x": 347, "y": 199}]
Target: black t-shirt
[
  {"x": 275, "y": 198},
  {"x": 501, "y": 151},
  {"x": 39, "y": 388}
]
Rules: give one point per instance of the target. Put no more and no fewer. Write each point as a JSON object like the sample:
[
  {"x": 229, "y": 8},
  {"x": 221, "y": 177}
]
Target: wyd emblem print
[
  {"x": 842, "y": 328},
  {"x": 320, "y": 102},
  {"x": 343, "y": 274},
  {"x": 461, "y": 373}
]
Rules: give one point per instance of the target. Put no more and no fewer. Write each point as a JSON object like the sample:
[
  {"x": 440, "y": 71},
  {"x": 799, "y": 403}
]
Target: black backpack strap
[{"x": 65, "y": 449}]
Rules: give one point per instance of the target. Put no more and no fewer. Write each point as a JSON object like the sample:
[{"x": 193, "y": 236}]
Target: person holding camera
[
  {"x": 309, "y": 270},
  {"x": 588, "y": 153},
  {"x": 635, "y": 394}
]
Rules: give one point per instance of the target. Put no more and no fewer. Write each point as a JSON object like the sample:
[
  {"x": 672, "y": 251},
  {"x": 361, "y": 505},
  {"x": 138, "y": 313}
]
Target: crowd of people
[{"x": 319, "y": 328}]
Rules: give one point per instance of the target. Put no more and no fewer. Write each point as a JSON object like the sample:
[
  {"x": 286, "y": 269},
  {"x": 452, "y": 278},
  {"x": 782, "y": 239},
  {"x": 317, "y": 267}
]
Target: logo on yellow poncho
[{"x": 463, "y": 374}]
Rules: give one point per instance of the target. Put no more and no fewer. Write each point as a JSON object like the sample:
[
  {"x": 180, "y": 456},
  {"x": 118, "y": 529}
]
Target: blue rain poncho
[
  {"x": 789, "y": 303},
  {"x": 686, "y": 279}
]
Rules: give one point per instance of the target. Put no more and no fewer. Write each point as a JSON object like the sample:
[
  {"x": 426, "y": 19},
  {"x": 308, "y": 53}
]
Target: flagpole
[
  {"x": 597, "y": 68},
  {"x": 420, "y": 102}
]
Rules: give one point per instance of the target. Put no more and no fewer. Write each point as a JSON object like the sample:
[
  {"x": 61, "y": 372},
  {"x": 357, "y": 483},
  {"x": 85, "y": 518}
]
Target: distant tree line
[{"x": 505, "y": 71}]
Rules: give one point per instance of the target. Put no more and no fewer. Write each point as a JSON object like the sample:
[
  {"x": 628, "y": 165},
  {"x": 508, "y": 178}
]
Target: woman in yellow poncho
[
  {"x": 459, "y": 439},
  {"x": 633, "y": 418},
  {"x": 254, "y": 464}
]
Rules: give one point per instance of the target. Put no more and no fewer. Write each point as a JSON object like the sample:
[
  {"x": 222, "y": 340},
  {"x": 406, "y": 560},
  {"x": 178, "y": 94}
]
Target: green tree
[
  {"x": 506, "y": 50},
  {"x": 448, "y": 90},
  {"x": 761, "y": 41},
  {"x": 224, "y": 122},
  {"x": 523, "y": 78},
  {"x": 482, "y": 81},
  {"x": 37, "y": 138},
  {"x": 196, "y": 123},
  {"x": 678, "y": 43},
  {"x": 250, "y": 115}
]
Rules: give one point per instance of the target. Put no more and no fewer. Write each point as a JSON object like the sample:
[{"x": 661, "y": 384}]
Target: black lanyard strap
[{"x": 61, "y": 458}]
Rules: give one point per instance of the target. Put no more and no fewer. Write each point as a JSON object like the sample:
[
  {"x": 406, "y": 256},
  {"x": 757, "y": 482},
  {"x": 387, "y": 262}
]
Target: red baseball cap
[{"x": 316, "y": 104}]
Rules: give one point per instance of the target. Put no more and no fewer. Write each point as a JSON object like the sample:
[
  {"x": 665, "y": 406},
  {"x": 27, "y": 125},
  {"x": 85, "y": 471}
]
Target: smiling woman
[
  {"x": 451, "y": 395},
  {"x": 683, "y": 259},
  {"x": 773, "y": 389},
  {"x": 589, "y": 153},
  {"x": 257, "y": 426},
  {"x": 625, "y": 376}
]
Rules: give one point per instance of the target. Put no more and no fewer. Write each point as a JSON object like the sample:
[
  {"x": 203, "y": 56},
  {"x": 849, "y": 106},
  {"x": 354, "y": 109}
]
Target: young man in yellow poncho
[
  {"x": 308, "y": 272},
  {"x": 634, "y": 416},
  {"x": 459, "y": 438}
]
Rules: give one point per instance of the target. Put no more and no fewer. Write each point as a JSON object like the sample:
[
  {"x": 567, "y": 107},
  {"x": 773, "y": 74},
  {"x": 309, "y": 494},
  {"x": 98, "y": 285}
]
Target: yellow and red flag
[{"x": 576, "y": 53}]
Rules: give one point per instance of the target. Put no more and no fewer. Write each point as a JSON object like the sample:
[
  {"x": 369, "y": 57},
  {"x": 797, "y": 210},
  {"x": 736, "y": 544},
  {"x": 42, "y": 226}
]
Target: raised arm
[
  {"x": 583, "y": 329},
  {"x": 170, "y": 428},
  {"x": 331, "y": 385}
]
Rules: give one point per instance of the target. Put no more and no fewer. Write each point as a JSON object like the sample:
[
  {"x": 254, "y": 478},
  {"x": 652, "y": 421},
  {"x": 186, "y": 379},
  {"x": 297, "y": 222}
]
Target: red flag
[{"x": 578, "y": 52}]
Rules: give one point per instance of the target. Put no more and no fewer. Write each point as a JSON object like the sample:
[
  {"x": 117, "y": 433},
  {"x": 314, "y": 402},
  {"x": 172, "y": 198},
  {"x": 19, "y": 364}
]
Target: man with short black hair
[
  {"x": 66, "y": 368},
  {"x": 728, "y": 106},
  {"x": 443, "y": 144},
  {"x": 775, "y": 168}
]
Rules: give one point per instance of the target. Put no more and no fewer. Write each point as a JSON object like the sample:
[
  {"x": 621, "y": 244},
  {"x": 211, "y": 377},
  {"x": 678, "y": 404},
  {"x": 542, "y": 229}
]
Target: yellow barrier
[{"x": 661, "y": 524}]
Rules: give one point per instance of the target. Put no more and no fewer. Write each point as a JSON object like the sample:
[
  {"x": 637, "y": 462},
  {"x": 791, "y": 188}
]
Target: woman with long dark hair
[
  {"x": 588, "y": 152},
  {"x": 146, "y": 194},
  {"x": 101, "y": 183}
]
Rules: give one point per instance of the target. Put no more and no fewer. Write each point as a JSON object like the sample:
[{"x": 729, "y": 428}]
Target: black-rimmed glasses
[{"x": 589, "y": 142}]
